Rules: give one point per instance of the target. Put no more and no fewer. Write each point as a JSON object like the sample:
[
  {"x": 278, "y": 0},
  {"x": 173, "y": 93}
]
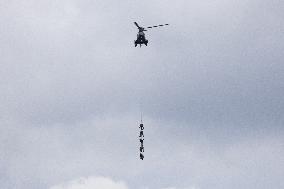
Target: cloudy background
[{"x": 210, "y": 87}]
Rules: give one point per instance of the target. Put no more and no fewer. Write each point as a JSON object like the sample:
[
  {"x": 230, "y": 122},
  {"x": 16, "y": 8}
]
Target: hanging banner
[{"x": 141, "y": 139}]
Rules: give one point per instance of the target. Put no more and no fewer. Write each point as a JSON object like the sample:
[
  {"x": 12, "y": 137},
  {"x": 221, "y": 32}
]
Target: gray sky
[{"x": 210, "y": 86}]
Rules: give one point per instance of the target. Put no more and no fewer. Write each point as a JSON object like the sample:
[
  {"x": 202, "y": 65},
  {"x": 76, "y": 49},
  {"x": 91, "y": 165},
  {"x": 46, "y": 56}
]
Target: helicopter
[{"x": 141, "y": 35}]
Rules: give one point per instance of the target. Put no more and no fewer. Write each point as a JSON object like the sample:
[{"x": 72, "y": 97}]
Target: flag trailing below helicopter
[{"x": 141, "y": 139}]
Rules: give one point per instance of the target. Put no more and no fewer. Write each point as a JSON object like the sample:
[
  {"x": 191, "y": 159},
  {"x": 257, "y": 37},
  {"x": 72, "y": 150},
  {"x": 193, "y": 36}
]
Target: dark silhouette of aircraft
[{"x": 141, "y": 39}]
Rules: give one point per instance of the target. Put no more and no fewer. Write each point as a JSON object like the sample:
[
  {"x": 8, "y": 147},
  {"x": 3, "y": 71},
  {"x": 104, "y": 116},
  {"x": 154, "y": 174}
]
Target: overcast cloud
[{"x": 210, "y": 86}]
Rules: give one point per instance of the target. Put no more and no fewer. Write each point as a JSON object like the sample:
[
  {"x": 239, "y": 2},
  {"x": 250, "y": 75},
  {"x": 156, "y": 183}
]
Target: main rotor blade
[
  {"x": 158, "y": 26},
  {"x": 136, "y": 24}
]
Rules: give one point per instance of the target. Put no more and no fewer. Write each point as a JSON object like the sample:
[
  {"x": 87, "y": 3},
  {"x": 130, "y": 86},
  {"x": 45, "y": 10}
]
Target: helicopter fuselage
[{"x": 141, "y": 39}]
